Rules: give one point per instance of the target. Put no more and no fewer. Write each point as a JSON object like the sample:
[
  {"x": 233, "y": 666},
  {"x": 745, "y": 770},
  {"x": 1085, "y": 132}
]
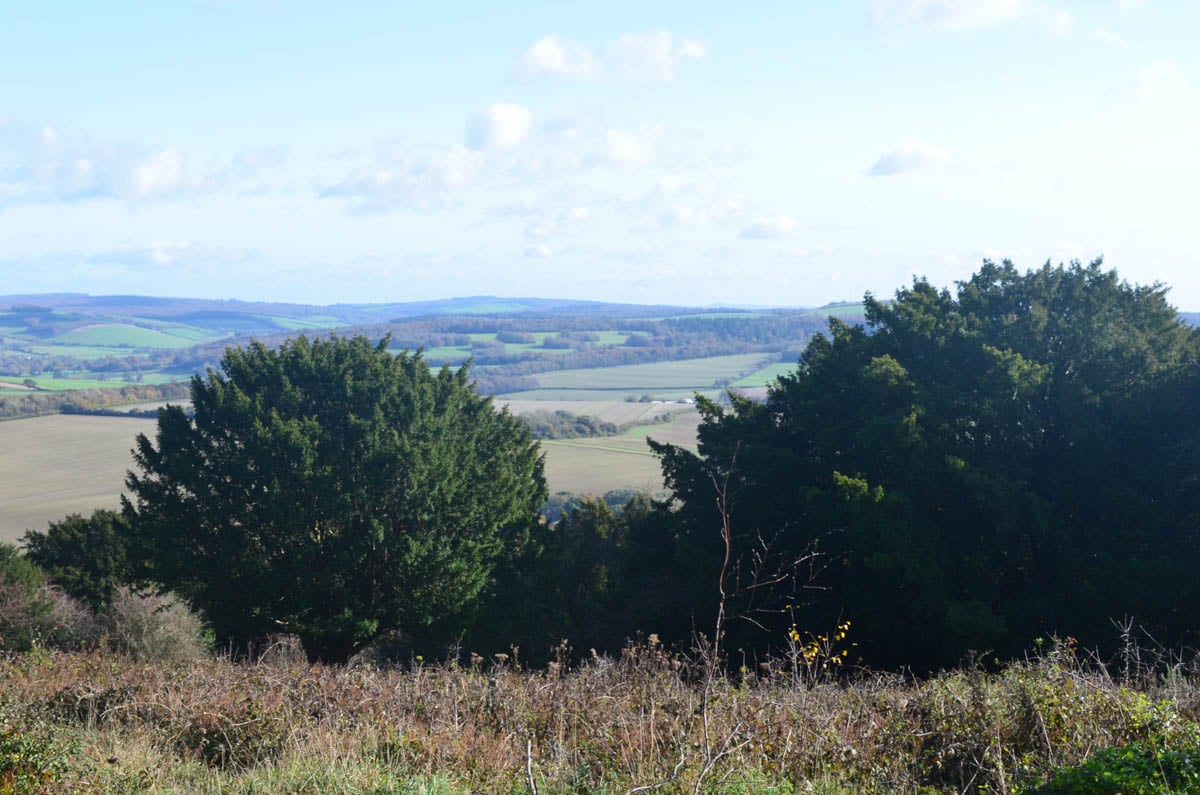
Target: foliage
[
  {"x": 1144, "y": 768},
  {"x": 330, "y": 489},
  {"x": 32, "y": 612},
  {"x": 561, "y": 424},
  {"x": 978, "y": 469},
  {"x": 87, "y": 557}
]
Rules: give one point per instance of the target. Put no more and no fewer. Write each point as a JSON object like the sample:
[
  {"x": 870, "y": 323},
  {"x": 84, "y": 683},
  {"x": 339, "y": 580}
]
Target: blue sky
[{"x": 695, "y": 153}]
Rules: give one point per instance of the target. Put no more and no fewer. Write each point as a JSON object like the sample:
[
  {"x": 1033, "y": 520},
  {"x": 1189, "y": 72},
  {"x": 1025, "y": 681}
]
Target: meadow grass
[{"x": 648, "y": 721}]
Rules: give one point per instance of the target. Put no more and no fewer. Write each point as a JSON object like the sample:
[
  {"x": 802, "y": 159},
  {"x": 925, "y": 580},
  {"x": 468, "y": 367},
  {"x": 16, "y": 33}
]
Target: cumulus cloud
[
  {"x": 44, "y": 165},
  {"x": 947, "y": 15},
  {"x": 501, "y": 127},
  {"x": 769, "y": 228},
  {"x": 539, "y": 251},
  {"x": 909, "y": 157},
  {"x": 557, "y": 55},
  {"x": 397, "y": 178},
  {"x": 654, "y": 55},
  {"x": 644, "y": 56}
]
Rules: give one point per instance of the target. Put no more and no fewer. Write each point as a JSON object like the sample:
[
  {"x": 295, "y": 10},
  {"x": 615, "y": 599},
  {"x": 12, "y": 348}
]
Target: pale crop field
[
  {"x": 62, "y": 464},
  {"x": 683, "y": 374}
]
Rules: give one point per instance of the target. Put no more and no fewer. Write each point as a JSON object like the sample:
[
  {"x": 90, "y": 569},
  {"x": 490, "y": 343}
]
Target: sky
[{"x": 699, "y": 153}]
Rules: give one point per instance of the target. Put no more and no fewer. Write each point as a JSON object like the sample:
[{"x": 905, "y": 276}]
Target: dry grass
[{"x": 110, "y": 724}]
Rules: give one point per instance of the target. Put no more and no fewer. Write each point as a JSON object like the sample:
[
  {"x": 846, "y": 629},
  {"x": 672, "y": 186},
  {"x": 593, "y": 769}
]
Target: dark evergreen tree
[
  {"x": 331, "y": 489},
  {"x": 979, "y": 468},
  {"x": 85, "y": 556}
]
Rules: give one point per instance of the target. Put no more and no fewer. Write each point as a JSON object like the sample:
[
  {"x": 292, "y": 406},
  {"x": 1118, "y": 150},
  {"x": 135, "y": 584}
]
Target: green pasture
[
  {"x": 66, "y": 384},
  {"x": 839, "y": 310},
  {"x": 767, "y": 375},
  {"x": 121, "y": 335},
  {"x": 594, "y": 466},
  {"x": 683, "y": 374},
  {"x": 301, "y": 324}
]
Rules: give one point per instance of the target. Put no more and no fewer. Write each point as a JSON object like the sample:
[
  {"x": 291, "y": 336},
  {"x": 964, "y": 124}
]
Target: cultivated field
[
  {"x": 62, "y": 464},
  {"x": 687, "y": 373}
]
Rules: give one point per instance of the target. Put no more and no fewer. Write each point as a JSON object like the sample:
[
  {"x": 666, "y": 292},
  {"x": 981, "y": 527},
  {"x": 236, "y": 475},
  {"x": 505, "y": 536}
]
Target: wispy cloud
[
  {"x": 769, "y": 228},
  {"x": 1109, "y": 37},
  {"x": 398, "y": 178},
  {"x": 947, "y": 15},
  {"x": 649, "y": 56},
  {"x": 909, "y": 157}
]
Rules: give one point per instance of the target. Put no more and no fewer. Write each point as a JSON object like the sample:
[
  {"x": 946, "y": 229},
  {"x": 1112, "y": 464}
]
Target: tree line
[{"x": 968, "y": 471}]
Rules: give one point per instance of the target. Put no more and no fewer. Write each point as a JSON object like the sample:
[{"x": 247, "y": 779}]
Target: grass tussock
[{"x": 94, "y": 722}]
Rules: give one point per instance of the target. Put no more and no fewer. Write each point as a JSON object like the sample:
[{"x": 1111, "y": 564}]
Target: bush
[
  {"x": 33, "y": 612},
  {"x": 153, "y": 627}
]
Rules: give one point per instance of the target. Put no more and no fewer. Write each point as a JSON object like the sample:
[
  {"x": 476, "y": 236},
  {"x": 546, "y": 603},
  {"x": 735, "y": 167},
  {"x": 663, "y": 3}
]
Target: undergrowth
[{"x": 102, "y": 722}]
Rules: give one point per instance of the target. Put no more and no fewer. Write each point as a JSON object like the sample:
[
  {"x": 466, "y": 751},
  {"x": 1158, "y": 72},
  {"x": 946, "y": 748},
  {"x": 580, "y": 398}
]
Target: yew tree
[{"x": 331, "y": 489}]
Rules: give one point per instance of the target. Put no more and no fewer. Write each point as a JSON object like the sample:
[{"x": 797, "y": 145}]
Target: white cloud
[
  {"x": 631, "y": 149},
  {"x": 1109, "y": 37},
  {"x": 250, "y": 161},
  {"x": 163, "y": 253},
  {"x": 557, "y": 55},
  {"x": 539, "y": 251},
  {"x": 1160, "y": 80},
  {"x": 653, "y": 55},
  {"x": 45, "y": 166},
  {"x": 161, "y": 174},
  {"x": 502, "y": 126},
  {"x": 909, "y": 157},
  {"x": 769, "y": 228},
  {"x": 645, "y": 57},
  {"x": 1061, "y": 22},
  {"x": 398, "y": 179},
  {"x": 948, "y": 15}
]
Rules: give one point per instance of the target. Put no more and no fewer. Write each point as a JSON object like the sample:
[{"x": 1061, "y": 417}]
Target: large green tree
[
  {"x": 331, "y": 489},
  {"x": 980, "y": 467}
]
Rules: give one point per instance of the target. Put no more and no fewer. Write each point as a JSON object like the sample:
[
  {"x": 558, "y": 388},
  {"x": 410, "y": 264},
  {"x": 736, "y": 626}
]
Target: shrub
[
  {"x": 153, "y": 627},
  {"x": 33, "y": 612}
]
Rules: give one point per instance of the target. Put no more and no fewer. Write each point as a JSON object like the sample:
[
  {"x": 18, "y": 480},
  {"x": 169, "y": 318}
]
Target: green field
[
  {"x": 767, "y": 375},
  {"x": 120, "y": 335}
]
